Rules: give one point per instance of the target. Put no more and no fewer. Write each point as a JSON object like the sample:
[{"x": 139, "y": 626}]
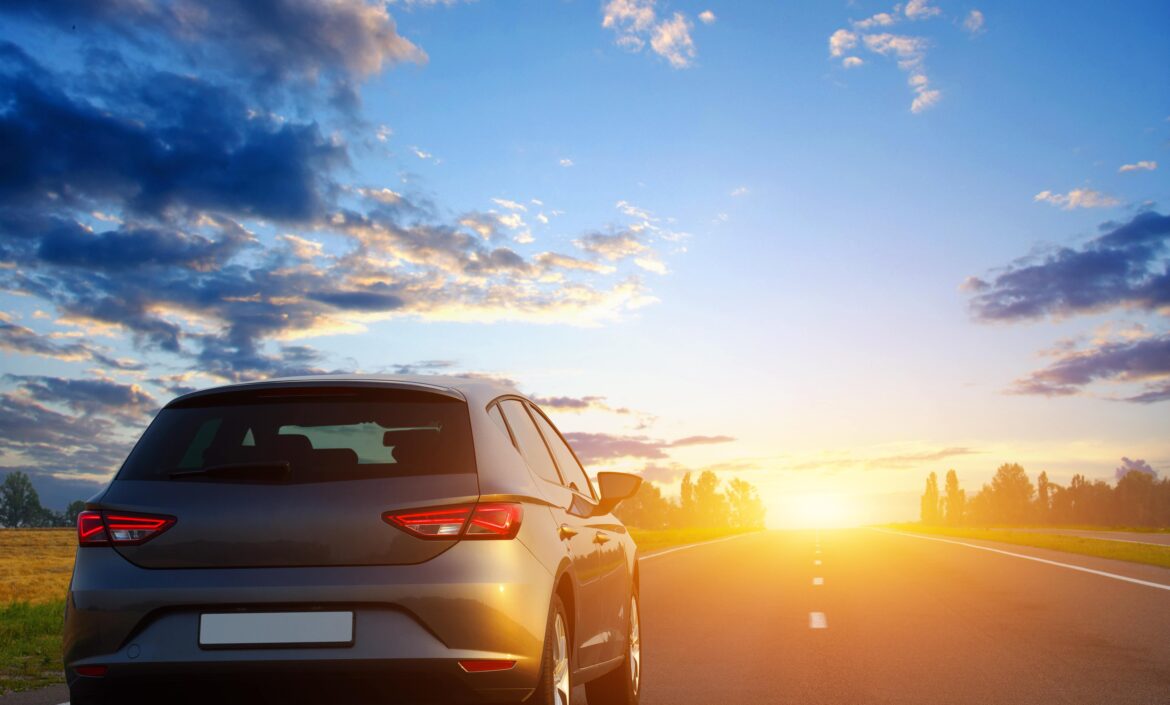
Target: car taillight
[
  {"x": 482, "y": 521},
  {"x": 119, "y": 529}
]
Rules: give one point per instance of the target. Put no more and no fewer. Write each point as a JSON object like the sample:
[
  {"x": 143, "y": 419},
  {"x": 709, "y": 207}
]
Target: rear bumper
[
  {"x": 285, "y": 682},
  {"x": 478, "y": 600}
]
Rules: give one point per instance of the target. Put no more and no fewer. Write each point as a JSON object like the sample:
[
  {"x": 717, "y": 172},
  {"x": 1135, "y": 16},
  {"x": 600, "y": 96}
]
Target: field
[
  {"x": 35, "y": 566},
  {"x": 1100, "y": 548}
]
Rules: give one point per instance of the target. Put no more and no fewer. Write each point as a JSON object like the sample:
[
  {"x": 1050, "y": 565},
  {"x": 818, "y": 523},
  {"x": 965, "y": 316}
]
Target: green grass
[
  {"x": 650, "y": 540},
  {"x": 1099, "y": 548},
  {"x": 30, "y": 645},
  {"x": 35, "y": 565}
]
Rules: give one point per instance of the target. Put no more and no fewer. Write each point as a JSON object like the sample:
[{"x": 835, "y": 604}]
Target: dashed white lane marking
[
  {"x": 1082, "y": 569},
  {"x": 693, "y": 545},
  {"x": 816, "y": 620},
  {"x": 818, "y": 581},
  {"x": 816, "y": 561}
]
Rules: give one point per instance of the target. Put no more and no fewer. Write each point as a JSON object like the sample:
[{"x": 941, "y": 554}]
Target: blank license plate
[{"x": 269, "y": 628}]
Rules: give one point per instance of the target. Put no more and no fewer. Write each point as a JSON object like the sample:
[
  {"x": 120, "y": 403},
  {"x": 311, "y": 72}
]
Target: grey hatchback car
[{"x": 354, "y": 539}]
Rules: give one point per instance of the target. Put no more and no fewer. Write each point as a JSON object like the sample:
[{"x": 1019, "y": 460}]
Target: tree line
[
  {"x": 20, "y": 506},
  {"x": 700, "y": 504},
  {"x": 1138, "y": 498}
]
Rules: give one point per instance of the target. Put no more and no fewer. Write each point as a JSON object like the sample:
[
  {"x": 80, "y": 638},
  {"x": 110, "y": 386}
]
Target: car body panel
[{"x": 419, "y": 605}]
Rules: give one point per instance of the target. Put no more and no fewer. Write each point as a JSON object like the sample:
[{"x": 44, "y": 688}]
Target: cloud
[
  {"x": 39, "y": 439},
  {"x": 611, "y": 247},
  {"x": 128, "y": 402},
  {"x": 578, "y": 404},
  {"x": 920, "y": 9},
  {"x": 277, "y": 41},
  {"x": 841, "y": 41},
  {"x": 180, "y": 142},
  {"x": 872, "y": 34},
  {"x": 636, "y": 23},
  {"x": 16, "y": 338},
  {"x": 191, "y": 182},
  {"x": 707, "y": 17},
  {"x": 510, "y": 205},
  {"x": 1124, "y": 267},
  {"x": 908, "y": 460},
  {"x": 566, "y": 163},
  {"x": 739, "y": 191},
  {"x": 384, "y": 133},
  {"x": 1128, "y": 466},
  {"x": 974, "y": 22},
  {"x": 1138, "y": 166},
  {"x": 881, "y": 19},
  {"x": 593, "y": 447},
  {"x": 671, "y": 40},
  {"x": 1077, "y": 198},
  {"x": 1145, "y": 360}
]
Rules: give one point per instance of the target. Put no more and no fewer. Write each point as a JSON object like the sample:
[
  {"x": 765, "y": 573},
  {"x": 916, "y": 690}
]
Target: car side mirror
[{"x": 614, "y": 487}]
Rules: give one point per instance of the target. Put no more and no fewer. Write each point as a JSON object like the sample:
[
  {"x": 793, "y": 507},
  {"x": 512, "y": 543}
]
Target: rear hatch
[{"x": 295, "y": 476}]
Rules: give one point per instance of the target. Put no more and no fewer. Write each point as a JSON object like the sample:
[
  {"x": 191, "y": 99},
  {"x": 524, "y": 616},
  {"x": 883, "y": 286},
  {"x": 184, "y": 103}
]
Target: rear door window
[
  {"x": 322, "y": 434},
  {"x": 571, "y": 470},
  {"x": 528, "y": 440}
]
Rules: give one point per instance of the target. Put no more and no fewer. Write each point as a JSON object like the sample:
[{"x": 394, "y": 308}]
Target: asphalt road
[
  {"x": 894, "y": 618},
  {"x": 906, "y": 620}
]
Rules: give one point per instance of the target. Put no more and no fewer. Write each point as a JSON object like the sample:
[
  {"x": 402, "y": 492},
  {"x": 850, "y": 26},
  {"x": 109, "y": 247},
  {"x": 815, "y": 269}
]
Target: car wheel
[
  {"x": 622, "y": 685},
  {"x": 555, "y": 685}
]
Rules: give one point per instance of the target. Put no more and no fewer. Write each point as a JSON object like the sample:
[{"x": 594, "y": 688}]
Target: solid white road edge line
[
  {"x": 1070, "y": 566},
  {"x": 695, "y": 545},
  {"x": 816, "y": 620}
]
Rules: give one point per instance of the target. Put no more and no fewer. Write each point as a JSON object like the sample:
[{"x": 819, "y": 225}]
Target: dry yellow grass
[{"x": 35, "y": 564}]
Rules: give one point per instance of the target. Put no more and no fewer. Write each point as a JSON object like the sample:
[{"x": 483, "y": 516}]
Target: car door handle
[
  {"x": 566, "y": 532},
  {"x": 600, "y": 538}
]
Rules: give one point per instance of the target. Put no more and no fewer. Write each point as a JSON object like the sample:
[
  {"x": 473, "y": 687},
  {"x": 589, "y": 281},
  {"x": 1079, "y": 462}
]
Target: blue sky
[{"x": 835, "y": 245}]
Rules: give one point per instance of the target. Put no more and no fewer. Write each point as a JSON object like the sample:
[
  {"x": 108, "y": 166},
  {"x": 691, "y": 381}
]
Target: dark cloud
[
  {"x": 35, "y": 436},
  {"x": 1128, "y": 466},
  {"x": 98, "y": 397},
  {"x": 1147, "y": 359},
  {"x": 19, "y": 339},
  {"x": 605, "y": 446},
  {"x": 1126, "y": 266},
  {"x": 563, "y": 403},
  {"x": 270, "y": 41},
  {"x": 178, "y": 142}
]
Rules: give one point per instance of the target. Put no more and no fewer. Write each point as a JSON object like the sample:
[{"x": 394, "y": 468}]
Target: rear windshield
[{"x": 322, "y": 435}]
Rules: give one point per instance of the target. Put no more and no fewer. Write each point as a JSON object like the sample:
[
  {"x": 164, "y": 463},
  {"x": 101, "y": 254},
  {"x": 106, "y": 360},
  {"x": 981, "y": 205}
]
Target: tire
[
  {"x": 622, "y": 685},
  {"x": 555, "y": 685}
]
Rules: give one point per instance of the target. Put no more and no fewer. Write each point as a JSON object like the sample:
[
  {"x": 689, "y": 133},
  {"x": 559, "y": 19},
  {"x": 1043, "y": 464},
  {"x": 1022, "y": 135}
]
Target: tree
[
  {"x": 956, "y": 499},
  {"x": 1043, "y": 500},
  {"x": 747, "y": 510},
  {"x": 710, "y": 504},
  {"x": 19, "y": 504},
  {"x": 929, "y": 509},
  {"x": 75, "y": 507},
  {"x": 647, "y": 509},
  {"x": 1011, "y": 495}
]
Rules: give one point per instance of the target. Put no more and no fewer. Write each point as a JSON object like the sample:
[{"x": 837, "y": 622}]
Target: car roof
[{"x": 474, "y": 390}]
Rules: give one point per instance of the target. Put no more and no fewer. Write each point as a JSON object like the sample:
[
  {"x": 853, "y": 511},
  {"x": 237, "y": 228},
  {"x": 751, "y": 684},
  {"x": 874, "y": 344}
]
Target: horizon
[{"x": 826, "y": 251}]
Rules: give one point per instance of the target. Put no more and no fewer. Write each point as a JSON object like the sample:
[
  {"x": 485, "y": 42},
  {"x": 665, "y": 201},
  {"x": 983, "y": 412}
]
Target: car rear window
[{"x": 322, "y": 434}]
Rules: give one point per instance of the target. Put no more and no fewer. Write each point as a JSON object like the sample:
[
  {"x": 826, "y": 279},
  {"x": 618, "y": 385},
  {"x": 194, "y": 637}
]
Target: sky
[{"x": 825, "y": 247}]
